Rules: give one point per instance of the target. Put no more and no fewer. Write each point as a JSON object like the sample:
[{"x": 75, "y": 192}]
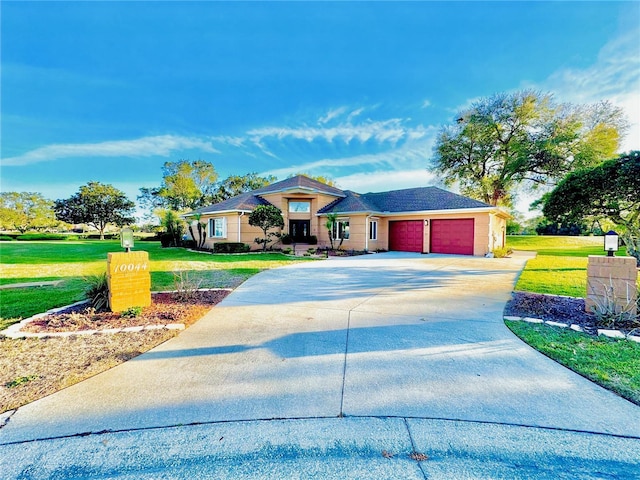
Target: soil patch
[
  {"x": 165, "y": 309},
  {"x": 31, "y": 368},
  {"x": 554, "y": 308}
]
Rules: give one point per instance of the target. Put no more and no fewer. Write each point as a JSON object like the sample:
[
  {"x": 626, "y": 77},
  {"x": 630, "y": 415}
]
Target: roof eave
[
  {"x": 216, "y": 212},
  {"x": 423, "y": 212},
  {"x": 305, "y": 189}
]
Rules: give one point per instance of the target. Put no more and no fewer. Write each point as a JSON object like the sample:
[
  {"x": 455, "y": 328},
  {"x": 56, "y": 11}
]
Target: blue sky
[{"x": 109, "y": 91}]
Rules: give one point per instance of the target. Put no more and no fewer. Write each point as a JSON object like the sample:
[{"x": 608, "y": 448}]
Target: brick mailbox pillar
[
  {"x": 129, "y": 280},
  {"x": 612, "y": 279}
]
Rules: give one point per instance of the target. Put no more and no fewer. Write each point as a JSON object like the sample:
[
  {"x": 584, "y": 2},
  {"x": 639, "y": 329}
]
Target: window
[
  {"x": 300, "y": 207},
  {"x": 218, "y": 227},
  {"x": 341, "y": 229},
  {"x": 373, "y": 230}
]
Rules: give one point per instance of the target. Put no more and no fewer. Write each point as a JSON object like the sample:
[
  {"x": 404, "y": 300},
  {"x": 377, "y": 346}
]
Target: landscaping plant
[{"x": 98, "y": 292}]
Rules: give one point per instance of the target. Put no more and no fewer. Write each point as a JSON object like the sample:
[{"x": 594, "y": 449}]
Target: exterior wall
[
  {"x": 281, "y": 200},
  {"x": 498, "y": 232},
  {"x": 489, "y": 229},
  {"x": 483, "y": 224},
  {"x": 234, "y": 220}
]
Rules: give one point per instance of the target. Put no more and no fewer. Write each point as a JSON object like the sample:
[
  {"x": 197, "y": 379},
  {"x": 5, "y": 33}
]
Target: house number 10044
[{"x": 130, "y": 267}]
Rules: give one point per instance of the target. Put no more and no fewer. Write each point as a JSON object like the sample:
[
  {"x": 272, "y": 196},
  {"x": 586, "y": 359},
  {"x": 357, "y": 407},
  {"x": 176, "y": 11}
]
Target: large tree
[
  {"x": 511, "y": 139},
  {"x": 186, "y": 185},
  {"x": 98, "y": 205},
  {"x": 266, "y": 217},
  {"x": 610, "y": 191},
  {"x": 24, "y": 211},
  {"x": 236, "y": 184}
]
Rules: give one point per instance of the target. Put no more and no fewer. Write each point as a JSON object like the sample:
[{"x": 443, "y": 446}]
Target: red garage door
[
  {"x": 406, "y": 236},
  {"x": 452, "y": 236}
]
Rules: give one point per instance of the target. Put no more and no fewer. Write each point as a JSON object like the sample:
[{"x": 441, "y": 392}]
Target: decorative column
[{"x": 612, "y": 281}]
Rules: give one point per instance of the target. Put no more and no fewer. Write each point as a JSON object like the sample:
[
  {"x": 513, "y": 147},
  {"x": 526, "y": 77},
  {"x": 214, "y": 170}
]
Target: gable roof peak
[{"x": 300, "y": 182}]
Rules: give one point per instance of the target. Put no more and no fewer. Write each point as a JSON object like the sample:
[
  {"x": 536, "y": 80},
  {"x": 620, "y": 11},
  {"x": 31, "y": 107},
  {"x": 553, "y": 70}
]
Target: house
[{"x": 425, "y": 220}]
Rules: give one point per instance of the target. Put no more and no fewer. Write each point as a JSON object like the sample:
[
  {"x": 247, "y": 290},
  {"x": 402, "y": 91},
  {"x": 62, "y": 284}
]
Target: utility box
[{"x": 129, "y": 278}]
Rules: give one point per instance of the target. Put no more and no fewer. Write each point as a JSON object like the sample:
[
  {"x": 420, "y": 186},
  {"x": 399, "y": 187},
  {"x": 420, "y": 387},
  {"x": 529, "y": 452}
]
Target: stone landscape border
[{"x": 617, "y": 334}]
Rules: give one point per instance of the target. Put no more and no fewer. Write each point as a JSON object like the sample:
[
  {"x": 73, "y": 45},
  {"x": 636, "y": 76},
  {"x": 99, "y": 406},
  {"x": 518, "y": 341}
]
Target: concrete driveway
[{"x": 318, "y": 368}]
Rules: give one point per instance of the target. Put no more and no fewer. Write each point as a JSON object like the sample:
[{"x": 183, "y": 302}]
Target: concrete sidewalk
[{"x": 351, "y": 356}]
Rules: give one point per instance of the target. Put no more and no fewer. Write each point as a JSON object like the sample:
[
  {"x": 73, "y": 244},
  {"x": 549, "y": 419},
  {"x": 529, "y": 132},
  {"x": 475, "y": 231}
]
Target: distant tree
[
  {"x": 318, "y": 178},
  {"x": 186, "y": 185},
  {"x": 24, "y": 211},
  {"x": 236, "y": 184},
  {"x": 266, "y": 217},
  {"x": 511, "y": 139},
  {"x": 607, "y": 192},
  {"x": 98, "y": 205}
]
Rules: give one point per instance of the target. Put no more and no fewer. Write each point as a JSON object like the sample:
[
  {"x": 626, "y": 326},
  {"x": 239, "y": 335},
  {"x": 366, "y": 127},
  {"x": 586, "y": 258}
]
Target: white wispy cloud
[
  {"x": 384, "y": 180},
  {"x": 331, "y": 114},
  {"x": 387, "y": 131},
  {"x": 354, "y": 114},
  {"x": 426, "y": 104},
  {"x": 407, "y": 156},
  {"x": 615, "y": 76},
  {"x": 163, "y": 146}
]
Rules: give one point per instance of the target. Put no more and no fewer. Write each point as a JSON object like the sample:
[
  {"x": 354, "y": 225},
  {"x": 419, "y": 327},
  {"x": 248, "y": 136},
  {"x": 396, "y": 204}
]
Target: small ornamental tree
[
  {"x": 201, "y": 229},
  {"x": 266, "y": 217},
  {"x": 332, "y": 219}
]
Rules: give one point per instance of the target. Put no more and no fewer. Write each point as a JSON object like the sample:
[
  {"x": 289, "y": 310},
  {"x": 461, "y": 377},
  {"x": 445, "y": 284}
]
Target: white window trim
[
  {"x": 336, "y": 229},
  {"x": 308, "y": 202},
  {"x": 212, "y": 227},
  {"x": 373, "y": 230}
]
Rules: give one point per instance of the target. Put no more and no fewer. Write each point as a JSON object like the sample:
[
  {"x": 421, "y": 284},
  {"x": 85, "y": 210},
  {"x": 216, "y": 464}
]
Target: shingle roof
[
  {"x": 244, "y": 202},
  {"x": 302, "y": 182},
  {"x": 395, "y": 201},
  {"x": 407, "y": 200}
]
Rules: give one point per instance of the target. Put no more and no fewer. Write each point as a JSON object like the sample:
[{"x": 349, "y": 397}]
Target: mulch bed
[
  {"x": 165, "y": 308},
  {"x": 558, "y": 309}
]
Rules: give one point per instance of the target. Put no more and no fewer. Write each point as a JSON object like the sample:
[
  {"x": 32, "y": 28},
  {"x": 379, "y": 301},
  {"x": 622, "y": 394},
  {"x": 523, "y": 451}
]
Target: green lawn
[
  {"x": 560, "y": 267},
  {"x": 73, "y": 261},
  {"x": 614, "y": 364}
]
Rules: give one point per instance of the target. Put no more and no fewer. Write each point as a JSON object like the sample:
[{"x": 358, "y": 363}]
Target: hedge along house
[{"x": 425, "y": 220}]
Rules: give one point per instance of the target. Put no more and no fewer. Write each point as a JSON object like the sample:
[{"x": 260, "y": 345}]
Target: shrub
[
  {"x": 6, "y": 238},
  {"x": 611, "y": 311},
  {"x": 188, "y": 244},
  {"x": 155, "y": 238},
  {"x": 98, "y": 292},
  {"x": 41, "y": 236},
  {"x": 502, "y": 252},
  {"x": 287, "y": 251},
  {"x": 230, "y": 247},
  {"x": 96, "y": 236},
  {"x": 167, "y": 240},
  {"x": 286, "y": 239},
  {"x": 186, "y": 287},
  {"x": 313, "y": 240},
  {"x": 131, "y": 312}
]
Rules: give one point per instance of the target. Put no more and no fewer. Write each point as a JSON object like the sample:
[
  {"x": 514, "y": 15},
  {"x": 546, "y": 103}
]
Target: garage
[
  {"x": 452, "y": 236},
  {"x": 406, "y": 236}
]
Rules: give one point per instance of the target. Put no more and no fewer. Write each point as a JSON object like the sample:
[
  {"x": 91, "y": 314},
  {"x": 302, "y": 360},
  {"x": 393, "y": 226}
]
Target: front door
[{"x": 299, "y": 230}]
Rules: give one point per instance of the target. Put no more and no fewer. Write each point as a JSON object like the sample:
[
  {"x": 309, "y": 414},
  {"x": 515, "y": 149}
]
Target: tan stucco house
[{"x": 426, "y": 219}]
